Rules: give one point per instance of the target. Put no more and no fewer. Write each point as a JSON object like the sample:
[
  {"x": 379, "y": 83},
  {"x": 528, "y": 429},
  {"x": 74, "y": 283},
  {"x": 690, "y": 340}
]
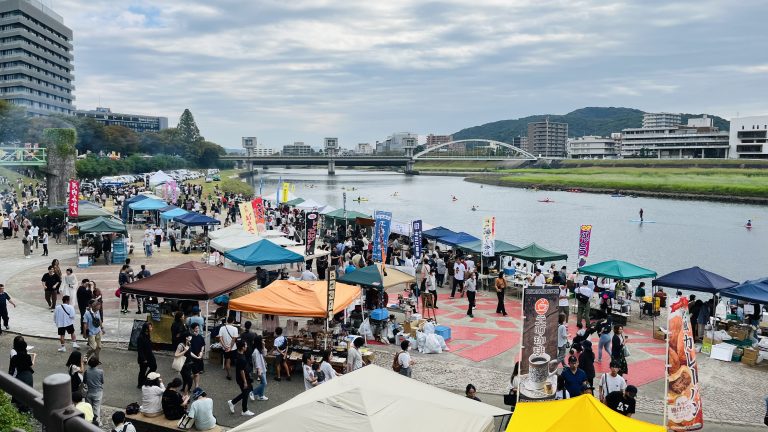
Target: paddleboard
[
  {"x": 644, "y": 221},
  {"x": 546, "y": 201}
]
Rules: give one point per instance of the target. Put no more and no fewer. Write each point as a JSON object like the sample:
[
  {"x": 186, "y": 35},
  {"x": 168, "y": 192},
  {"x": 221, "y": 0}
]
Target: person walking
[
  {"x": 147, "y": 242},
  {"x": 431, "y": 286},
  {"x": 70, "y": 284},
  {"x": 44, "y": 241},
  {"x": 606, "y": 335},
  {"x": 26, "y": 241},
  {"x": 562, "y": 339},
  {"x": 471, "y": 287},
  {"x": 458, "y": 277},
  {"x": 94, "y": 329},
  {"x": 583, "y": 297},
  {"x": 4, "y": 300},
  {"x": 182, "y": 350},
  {"x": 64, "y": 318},
  {"x": 20, "y": 366},
  {"x": 196, "y": 353},
  {"x": 587, "y": 361},
  {"x": 573, "y": 377},
  {"x": 617, "y": 349},
  {"x": 260, "y": 369},
  {"x": 228, "y": 335},
  {"x": 501, "y": 286},
  {"x": 610, "y": 382},
  {"x": 146, "y": 357},
  {"x": 106, "y": 247},
  {"x": 123, "y": 279},
  {"x": 243, "y": 379},
  {"x": 405, "y": 360},
  {"x": 94, "y": 382},
  {"x": 84, "y": 296},
  {"x": 563, "y": 303},
  {"x": 51, "y": 285}
]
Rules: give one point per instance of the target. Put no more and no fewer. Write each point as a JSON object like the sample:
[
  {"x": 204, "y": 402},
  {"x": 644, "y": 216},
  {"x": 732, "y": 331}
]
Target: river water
[{"x": 685, "y": 233}]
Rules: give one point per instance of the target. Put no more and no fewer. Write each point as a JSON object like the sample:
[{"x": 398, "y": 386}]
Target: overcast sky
[{"x": 301, "y": 70}]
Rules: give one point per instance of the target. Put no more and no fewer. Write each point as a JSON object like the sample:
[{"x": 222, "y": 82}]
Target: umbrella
[
  {"x": 695, "y": 279},
  {"x": 752, "y": 291},
  {"x": 534, "y": 252},
  {"x": 616, "y": 269}
]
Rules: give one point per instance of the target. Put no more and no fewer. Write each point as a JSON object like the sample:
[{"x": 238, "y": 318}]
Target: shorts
[
  {"x": 232, "y": 355},
  {"x": 69, "y": 329},
  {"x": 197, "y": 366},
  {"x": 279, "y": 358}
]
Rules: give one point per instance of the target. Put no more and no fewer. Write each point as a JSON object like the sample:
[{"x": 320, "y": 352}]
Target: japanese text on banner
[
  {"x": 489, "y": 236},
  {"x": 585, "y": 233},
  {"x": 416, "y": 230},
  {"x": 73, "y": 198},
  {"x": 381, "y": 234},
  {"x": 683, "y": 402},
  {"x": 249, "y": 219},
  {"x": 310, "y": 232}
]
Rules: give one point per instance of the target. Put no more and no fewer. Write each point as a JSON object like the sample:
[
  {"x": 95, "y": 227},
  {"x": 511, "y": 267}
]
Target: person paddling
[{"x": 641, "y": 215}]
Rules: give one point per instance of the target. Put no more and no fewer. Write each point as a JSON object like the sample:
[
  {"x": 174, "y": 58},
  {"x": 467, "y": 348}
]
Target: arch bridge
[{"x": 474, "y": 149}]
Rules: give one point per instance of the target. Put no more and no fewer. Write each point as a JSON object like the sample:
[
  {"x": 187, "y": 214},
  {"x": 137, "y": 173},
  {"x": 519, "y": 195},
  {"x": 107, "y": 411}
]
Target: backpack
[
  {"x": 95, "y": 319},
  {"x": 396, "y": 363},
  {"x": 582, "y": 298}
]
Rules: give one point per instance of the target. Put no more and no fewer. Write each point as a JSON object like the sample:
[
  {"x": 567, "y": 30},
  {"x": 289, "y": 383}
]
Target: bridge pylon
[{"x": 331, "y": 167}]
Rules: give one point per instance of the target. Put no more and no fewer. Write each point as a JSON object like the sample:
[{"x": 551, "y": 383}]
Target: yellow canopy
[
  {"x": 582, "y": 412},
  {"x": 296, "y": 299}
]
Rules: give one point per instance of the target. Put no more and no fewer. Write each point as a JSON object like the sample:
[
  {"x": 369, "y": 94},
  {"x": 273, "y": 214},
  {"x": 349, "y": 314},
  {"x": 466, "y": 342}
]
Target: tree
[
  {"x": 121, "y": 139},
  {"x": 13, "y": 122},
  {"x": 189, "y": 136}
]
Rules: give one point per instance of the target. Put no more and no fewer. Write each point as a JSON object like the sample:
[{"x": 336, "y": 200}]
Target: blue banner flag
[
  {"x": 381, "y": 234},
  {"x": 416, "y": 238}
]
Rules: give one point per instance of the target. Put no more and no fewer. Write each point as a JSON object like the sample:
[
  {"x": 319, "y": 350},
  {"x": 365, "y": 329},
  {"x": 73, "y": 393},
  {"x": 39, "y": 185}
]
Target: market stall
[
  {"x": 499, "y": 248},
  {"x": 309, "y": 204},
  {"x": 585, "y": 411},
  {"x": 534, "y": 253},
  {"x": 146, "y": 210},
  {"x": 437, "y": 232},
  {"x": 263, "y": 253},
  {"x": 743, "y": 332},
  {"x": 194, "y": 219},
  {"x": 226, "y": 244},
  {"x": 159, "y": 178},
  {"x": 456, "y": 239},
  {"x": 374, "y": 399},
  {"x": 89, "y": 240},
  {"x": 619, "y": 270}
]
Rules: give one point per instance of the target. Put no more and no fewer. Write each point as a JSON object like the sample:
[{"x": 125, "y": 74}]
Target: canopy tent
[
  {"x": 372, "y": 276},
  {"x": 272, "y": 233},
  {"x": 301, "y": 250},
  {"x": 262, "y": 253},
  {"x": 374, "y": 399},
  {"x": 168, "y": 208},
  {"x": 159, "y": 178},
  {"x": 751, "y": 291},
  {"x": 616, "y": 269},
  {"x": 103, "y": 225},
  {"x": 457, "y": 238},
  {"x": 273, "y": 197},
  {"x": 309, "y": 204},
  {"x": 137, "y": 198},
  {"x": 294, "y": 202},
  {"x": 437, "y": 232},
  {"x": 585, "y": 411},
  {"x": 695, "y": 279},
  {"x": 350, "y": 215},
  {"x": 196, "y": 219},
  {"x": 228, "y": 231},
  {"x": 170, "y": 214},
  {"x": 86, "y": 210},
  {"x": 226, "y": 244},
  {"x": 147, "y": 205},
  {"x": 295, "y": 299},
  {"x": 534, "y": 252},
  {"x": 327, "y": 209},
  {"x": 190, "y": 281},
  {"x": 500, "y": 247}
]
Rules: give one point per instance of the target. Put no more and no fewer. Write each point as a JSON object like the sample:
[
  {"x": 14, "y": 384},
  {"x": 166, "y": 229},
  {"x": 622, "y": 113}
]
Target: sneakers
[
  {"x": 231, "y": 406},
  {"x": 62, "y": 349},
  {"x": 75, "y": 345},
  {"x": 262, "y": 398},
  {"x": 250, "y": 395},
  {"x": 248, "y": 413}
]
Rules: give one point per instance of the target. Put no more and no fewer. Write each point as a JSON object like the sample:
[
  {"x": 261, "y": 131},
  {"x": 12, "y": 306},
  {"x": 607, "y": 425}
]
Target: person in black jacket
[
  {"x": 173, "y": 402},
  {"x": 146, "y": 358},
  {"x": 84, "y": 296},
  {"x": 587, "y": 361}
]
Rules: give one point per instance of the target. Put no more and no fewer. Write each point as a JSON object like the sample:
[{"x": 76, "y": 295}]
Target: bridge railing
[{"x": 23, "y": 156}]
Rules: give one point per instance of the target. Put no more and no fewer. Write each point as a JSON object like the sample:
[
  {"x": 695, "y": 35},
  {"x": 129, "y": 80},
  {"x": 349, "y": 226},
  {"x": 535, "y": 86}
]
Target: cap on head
[{"x": 153, "y": 376}]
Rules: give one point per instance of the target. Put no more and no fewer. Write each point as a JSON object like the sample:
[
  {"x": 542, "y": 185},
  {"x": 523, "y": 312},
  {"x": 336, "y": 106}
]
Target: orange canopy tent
[{"x": 296, "y": 299}]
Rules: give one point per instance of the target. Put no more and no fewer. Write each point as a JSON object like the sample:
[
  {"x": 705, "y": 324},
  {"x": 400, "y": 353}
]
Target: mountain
[{"x": 600, "y": 121}]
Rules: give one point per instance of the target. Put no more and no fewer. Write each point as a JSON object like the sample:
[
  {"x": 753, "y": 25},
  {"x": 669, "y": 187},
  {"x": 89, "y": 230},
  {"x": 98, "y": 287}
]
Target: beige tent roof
[
  {"x": 377, "y": 400},
  {"x": 231, "y": 230},
  {"x": 226, "y": 244}
]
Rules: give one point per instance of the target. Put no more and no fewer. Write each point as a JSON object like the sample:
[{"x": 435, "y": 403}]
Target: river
[{"x": 685, "y": 233}]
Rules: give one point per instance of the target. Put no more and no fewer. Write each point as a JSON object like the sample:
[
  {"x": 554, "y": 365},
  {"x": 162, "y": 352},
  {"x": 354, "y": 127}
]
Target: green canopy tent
[
  {"x": 534, "y": 252},
  {"x": 349, "y": 215},
  {"x": 500, "y": 247},
  {"x": 372, "y": 276},
  {"x": 616, "y": 269},
  {"x": 103, "y": 225},
  {"x": 294, "y": 202}
]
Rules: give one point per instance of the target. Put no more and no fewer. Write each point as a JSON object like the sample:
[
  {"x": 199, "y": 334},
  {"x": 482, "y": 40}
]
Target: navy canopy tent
[
  {"x": 695, "y": 279},
  {"x": 751, "y": 291},
  {"x": 196, "y": 219},
  {"x": 456, "y": 239},
  {"x": 263, "y": 253},
  {"x": 437, "y": 232}
]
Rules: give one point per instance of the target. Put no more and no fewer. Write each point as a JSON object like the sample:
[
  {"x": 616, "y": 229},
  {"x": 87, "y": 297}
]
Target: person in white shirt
[
  {"x": 404, "y": 359},
  {"x": 583, "y": 298},
  {"x": 458, "y": 277},
  {"x": 227, "y": 336},
  {"x": 611, "y": 382},
  {"x": 158, "y": 237},
  {"x": 310, "y": 380},
  {"x": 64, "y": 318},
  {"x": 354, "y": 357},
  {"x": 326, "y": 368},
  {"x": 562, "y": 302},
  {"x": 152, "y": 396},
  {"x": 34, "y": 231},
  {"x": 307, "y": 275},
  {"x": 69, "y": 287},
  {"x": 44, "y": 242},
  {"x": 539, "y": 280}
]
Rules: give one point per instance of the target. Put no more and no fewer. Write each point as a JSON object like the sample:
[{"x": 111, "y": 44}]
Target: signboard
[
  {"x": 538, "y": 363},
  {"x": 154, "y": 310},
  {"x": 683, "y": 402},
  {"x": 310, "y": 232},
  {"x": 286, "y": 191},
  {"x": 258, "y": 213},
  {"x": 331, "y": 294},
  {"x": 489, "y": 236},
  {"x": 249, "y": 219},
  {"x": 416, "y": 238},
  {"x": 584, "y": 236},
  {"x": 383, "y": 221},
  {"x": 73, "y": 198}
]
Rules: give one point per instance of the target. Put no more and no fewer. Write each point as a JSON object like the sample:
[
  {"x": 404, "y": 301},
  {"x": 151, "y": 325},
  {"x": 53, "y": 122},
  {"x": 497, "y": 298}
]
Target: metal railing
[
  {"x": 54, "y": 407},
  {"x": 22, "y": 156}
]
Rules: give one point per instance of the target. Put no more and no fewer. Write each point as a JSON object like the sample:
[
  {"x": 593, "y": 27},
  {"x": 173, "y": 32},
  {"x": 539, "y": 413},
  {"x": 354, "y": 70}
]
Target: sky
[{"x": 301, "y": 70}]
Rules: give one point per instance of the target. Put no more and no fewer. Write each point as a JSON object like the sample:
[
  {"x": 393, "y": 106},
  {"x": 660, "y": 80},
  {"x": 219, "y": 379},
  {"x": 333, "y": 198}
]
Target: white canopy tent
[
  {"x": 309, "y": 204},
  {"x": 159, "y": 178},
  {"x": 232, "y": 230},
  {"x": 301, "y": 250},
  {"x": 226, "y": 244},
  {"x": 272, "y": 233},
  {"x": 273, "y": 197},
  {"x": 373, "y": 399}
]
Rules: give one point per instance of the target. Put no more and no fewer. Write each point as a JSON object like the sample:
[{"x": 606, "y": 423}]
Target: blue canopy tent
[
  {"x": 168, "y": 208},
  {"x": 695, "y": 279},
  {"x": 131, "y": 200},
  {"x": 751, "y": 291},
  {"x": 437, "y": 232},
  {"x": 147, "y": 204},
  {"x": 170, "y": 214},
  {"x": 456, "y": 239},
  {"x": 263, "y": 253},
  {"x": 196, "y": 219}
]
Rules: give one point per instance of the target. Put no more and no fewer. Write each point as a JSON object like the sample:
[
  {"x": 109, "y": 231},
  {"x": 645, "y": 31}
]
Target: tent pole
[
  {"x": 666, "y": 368},
  {"x": 207, "y": 330}
]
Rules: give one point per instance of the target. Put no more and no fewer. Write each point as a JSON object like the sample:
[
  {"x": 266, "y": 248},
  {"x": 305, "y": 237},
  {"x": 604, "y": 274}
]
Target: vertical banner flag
[
  {"x": 584, "y": 235},
  {"x": 538, "y": 362},
  {"x": 489, "y": 236},
  {"x": 258, "y": 212},
  {"x": 683, "y": 403},
  {"x": 310, "y": 231},
  {"x": 286, "y": 191},
  {"x": 249, "y": 219},
  {"x": 261, "y": 185},
  {"x": 331, "y": 294},
  {"x": 73, "y": 198},
  {"x": 381, "y": 234},
  {"x": 416, "y": 238}
]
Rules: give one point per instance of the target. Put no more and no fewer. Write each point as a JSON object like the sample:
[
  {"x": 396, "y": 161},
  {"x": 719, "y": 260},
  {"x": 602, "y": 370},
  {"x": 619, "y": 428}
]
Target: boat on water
[
  {"x": 474, "y": 208},
  {"x": 546, "y": 201},
  {"x": 618, "y": 195},
  {"x": 360, "y": 199}
]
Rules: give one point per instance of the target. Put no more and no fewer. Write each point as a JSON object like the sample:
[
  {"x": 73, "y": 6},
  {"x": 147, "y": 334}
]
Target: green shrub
[
  {"x": 47, "y": 218},
  {"x": 236, "y": 186},
  {"x": 10, "y": 417}
]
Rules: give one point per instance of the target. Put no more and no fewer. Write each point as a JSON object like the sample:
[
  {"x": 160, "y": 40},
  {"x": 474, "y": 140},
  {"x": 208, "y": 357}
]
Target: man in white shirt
[
  {"x": 583, "y": 298},
  {"x": 34, "y": 231},
  {"x": 562, "y": 302},
  {"x": 307, "y": 275},
  {"x": 611, "y": 382},
  {"x": 158, "y": 237},
  {"x": 458, "y": 277},
  {"x": 228, "y": 335},
  {"x": 539, "y": 280},
  {"x": 64, "y": 318}
]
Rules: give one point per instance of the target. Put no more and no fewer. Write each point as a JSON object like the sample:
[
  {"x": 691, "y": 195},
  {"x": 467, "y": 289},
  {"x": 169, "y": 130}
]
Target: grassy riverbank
[{"x": 698, "y": 181}]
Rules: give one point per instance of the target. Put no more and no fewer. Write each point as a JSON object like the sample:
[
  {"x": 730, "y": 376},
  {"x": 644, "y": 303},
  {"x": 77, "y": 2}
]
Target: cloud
[{"x": 305, "y": 69}]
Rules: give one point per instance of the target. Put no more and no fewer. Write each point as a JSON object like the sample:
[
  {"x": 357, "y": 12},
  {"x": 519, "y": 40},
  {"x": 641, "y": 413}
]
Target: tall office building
[
  {"x": 136, "y": 122},
  {"x": 436, "y": 140},
  {"x": 35, "y": 58},
  {"x": 547, "y": 139},
  {"x": 697, "y": 139},
  {"x": 661, "y": 120},
  {"x": 331, "y": 146},
  {"x": 749, "y": 137}
]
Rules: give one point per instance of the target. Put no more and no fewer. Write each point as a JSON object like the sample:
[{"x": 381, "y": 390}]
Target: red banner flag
[
  {"x": 73, "y": 198},
  {"x": 258, "y": 211}
]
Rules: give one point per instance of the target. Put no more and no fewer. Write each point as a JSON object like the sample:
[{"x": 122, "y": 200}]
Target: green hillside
[{"x": 600, "y": 121}]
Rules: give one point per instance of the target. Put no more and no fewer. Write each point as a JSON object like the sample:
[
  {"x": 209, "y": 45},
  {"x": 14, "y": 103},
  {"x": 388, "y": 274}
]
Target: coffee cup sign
[
  {"x": 540, "y": 368},
  {"x": 539, "y": 353}
]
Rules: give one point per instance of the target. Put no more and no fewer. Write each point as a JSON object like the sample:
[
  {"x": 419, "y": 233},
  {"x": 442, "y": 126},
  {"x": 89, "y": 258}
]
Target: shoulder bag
[
  {"x": 186, "y": 422},
  {"x": 178, "y": 361},
  {"x": 625, "y": 351},
  {"x": 510, "y": 399}
]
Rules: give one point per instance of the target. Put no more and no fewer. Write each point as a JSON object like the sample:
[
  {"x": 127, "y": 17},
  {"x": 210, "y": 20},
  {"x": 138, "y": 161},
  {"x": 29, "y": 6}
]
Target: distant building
[
  {"x": 593, "y": 147},
  {"x": 35, "y": 58},
  {"x": 661, "y": 120},
  {"x": 436, "y": 140},
  {"x": 749, "y": 137},
  {"x": 364, "y": 148},
  {"x": 547, "y": 139},
  {"x": 297, "y": 149},
  {"x": 331, "y": 146},
  {"x": 698, "y": 139},
  {"x": 397, "y": 142},
  {"x": 136, "y": 122},
  {"x": 254, "y": 148},
  {"x": 520, "y": 142}
]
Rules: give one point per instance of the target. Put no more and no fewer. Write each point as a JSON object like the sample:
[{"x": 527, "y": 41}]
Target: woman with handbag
[
  {"x": 182, "y": 362},
  {"x": 619, "y": 350},
  {"x": 514, "y": 382},
  {"x": 75, "y": 368}
]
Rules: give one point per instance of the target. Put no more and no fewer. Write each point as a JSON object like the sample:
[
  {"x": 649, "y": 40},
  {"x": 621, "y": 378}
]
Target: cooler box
[{"x": 443, "y": 331}]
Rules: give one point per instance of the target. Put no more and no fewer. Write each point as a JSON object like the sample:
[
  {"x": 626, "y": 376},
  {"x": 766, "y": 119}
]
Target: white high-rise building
[
  {"x": 698, "y": 139},
  {"x": 593, "y": 147},
  {"x": 661, "y": 120},
  {"x": 749, "y": 137}
]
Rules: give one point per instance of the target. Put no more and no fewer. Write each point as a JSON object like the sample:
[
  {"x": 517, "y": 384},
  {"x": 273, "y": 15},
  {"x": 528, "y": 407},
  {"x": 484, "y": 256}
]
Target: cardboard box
[
  {"x": 659, "y": 334},
  {"x": 749, "y": 361},
  {"x": 750, "y": 353},
  {"x": 739, "y": 332}
]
